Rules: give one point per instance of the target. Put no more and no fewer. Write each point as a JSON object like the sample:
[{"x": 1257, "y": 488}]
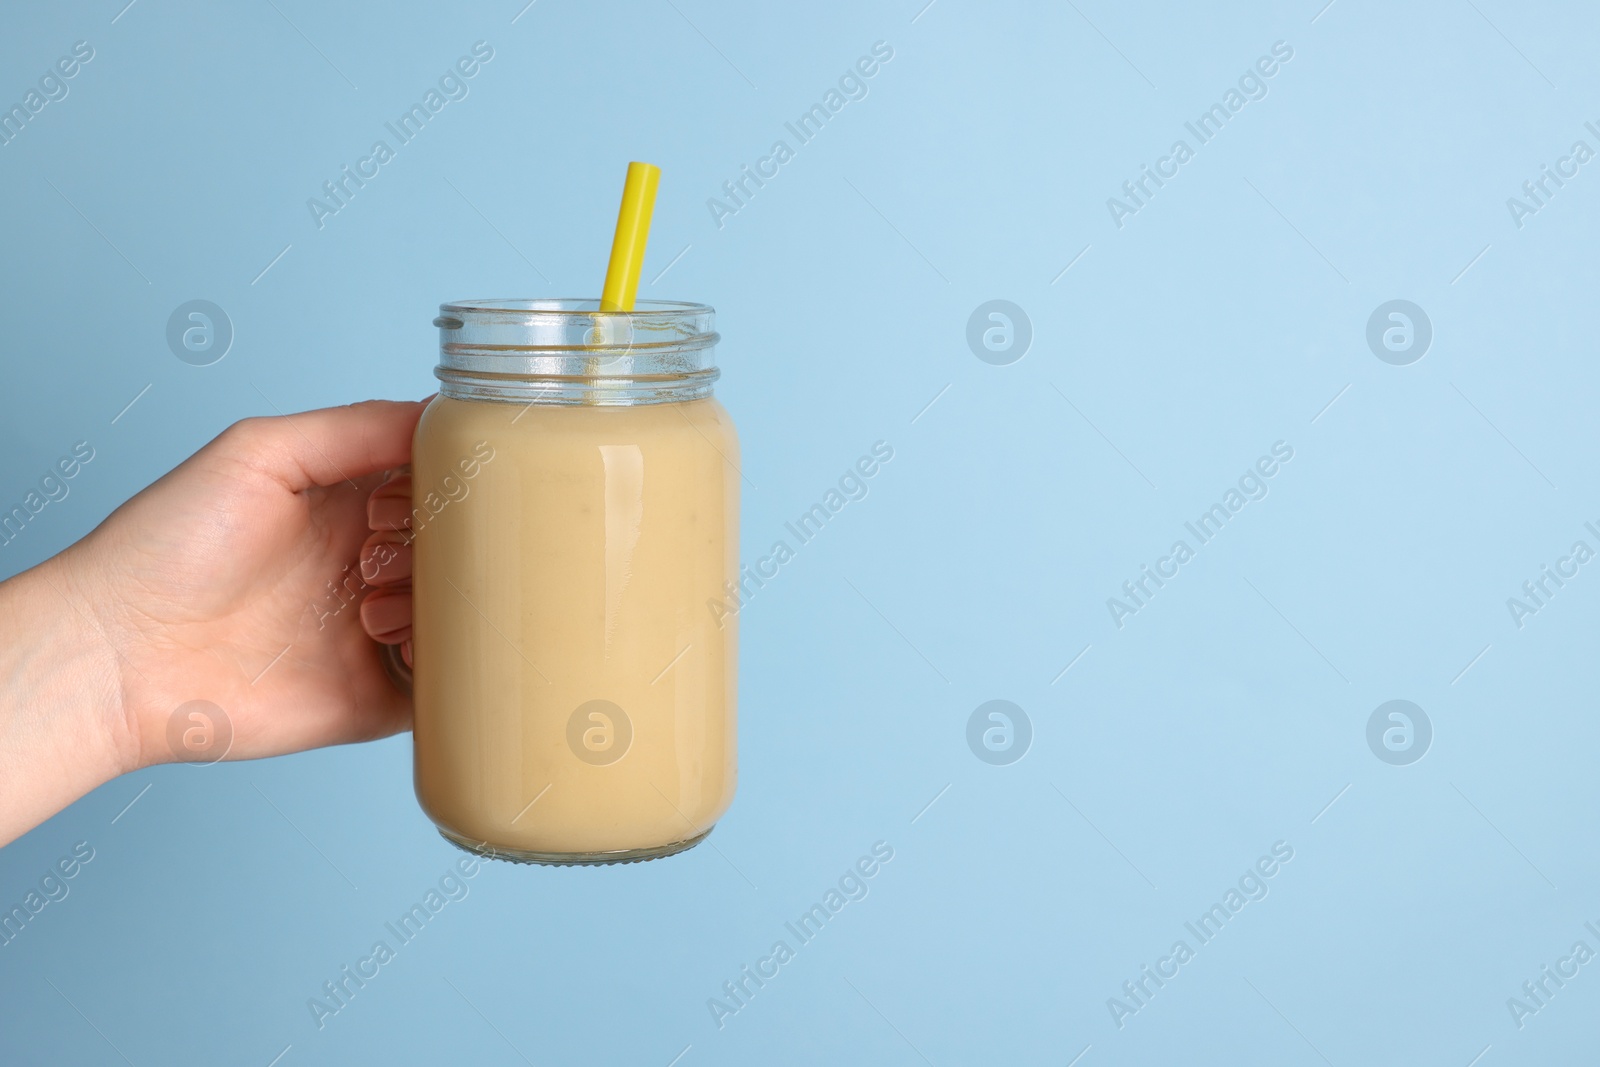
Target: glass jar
[{"x": 575, "y": 515}]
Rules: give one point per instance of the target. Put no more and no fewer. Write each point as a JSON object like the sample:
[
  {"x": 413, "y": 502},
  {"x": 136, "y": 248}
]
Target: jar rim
[{"x": 567, "y": 305}]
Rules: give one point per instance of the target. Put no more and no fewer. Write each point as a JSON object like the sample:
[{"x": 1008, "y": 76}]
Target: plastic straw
[{"x": 633, "y": 232}]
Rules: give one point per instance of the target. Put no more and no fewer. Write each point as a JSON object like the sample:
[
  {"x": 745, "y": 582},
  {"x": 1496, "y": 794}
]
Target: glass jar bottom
[{"x": 573, "y": 859}]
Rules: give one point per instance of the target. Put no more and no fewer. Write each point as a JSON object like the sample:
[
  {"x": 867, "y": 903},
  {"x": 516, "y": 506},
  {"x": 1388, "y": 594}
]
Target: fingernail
[
  {"x": 387, "y": 616},
  {"x": 389, "y": 506},
  {"x": 385, "y": 559}
]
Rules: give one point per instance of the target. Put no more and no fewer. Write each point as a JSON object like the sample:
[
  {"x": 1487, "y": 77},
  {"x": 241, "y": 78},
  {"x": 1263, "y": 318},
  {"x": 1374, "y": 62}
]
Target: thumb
[{"x": 329, "y": 445}]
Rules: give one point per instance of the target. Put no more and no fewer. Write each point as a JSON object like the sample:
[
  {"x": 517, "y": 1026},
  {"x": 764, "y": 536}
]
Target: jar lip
[
  {"x": 568, "y": 351},
  {"x": 575, "y": 306}
]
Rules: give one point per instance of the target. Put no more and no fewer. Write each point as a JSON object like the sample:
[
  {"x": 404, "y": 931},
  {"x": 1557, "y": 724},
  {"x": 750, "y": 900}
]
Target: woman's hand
[{"x": 235, "y": 580}]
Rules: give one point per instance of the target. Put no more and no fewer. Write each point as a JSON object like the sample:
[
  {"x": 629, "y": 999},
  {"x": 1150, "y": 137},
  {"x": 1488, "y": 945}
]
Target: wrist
[{"x": 64, "y": 727}]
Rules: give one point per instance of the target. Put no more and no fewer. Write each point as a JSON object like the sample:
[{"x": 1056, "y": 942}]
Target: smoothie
[{"x": 574, "y": 691}]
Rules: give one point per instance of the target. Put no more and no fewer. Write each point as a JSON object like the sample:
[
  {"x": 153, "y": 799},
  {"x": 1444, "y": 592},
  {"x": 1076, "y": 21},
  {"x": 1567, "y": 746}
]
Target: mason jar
[{"x": 575, "y": 522}]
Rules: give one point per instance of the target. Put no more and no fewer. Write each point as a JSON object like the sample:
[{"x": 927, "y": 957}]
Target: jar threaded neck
[{"x": 567, "y": 351}]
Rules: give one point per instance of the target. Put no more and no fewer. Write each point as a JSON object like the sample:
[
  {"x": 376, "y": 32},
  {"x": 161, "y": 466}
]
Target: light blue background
[{"x": 1223, "y": 317}]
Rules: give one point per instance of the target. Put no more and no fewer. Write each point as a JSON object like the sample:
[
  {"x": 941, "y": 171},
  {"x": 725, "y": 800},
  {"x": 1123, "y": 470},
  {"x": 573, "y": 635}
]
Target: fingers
[
  {"x": 389, "y": 507},
  {"x": 386, "y": 565},
  {"x": 386, "y": 559},
  {"x": 386, "y": 615},
  {"x": 329, "y": 446}
]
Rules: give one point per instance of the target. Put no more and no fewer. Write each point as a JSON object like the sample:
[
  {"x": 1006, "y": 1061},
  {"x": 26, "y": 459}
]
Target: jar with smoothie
[{"x": 576, "y": 500}]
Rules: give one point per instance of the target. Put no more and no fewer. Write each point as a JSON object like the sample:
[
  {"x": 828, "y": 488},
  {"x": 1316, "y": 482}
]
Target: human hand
[{"x": 230, "y": 580}]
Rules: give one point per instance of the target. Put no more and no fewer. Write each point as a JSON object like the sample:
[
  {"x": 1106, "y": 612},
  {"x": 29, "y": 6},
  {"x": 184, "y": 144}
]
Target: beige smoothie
[{"x": 574, "y": 690}]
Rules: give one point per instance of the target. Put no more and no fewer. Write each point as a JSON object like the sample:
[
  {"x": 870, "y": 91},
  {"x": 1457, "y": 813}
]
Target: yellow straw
[{"x": 633, "y": 231}]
